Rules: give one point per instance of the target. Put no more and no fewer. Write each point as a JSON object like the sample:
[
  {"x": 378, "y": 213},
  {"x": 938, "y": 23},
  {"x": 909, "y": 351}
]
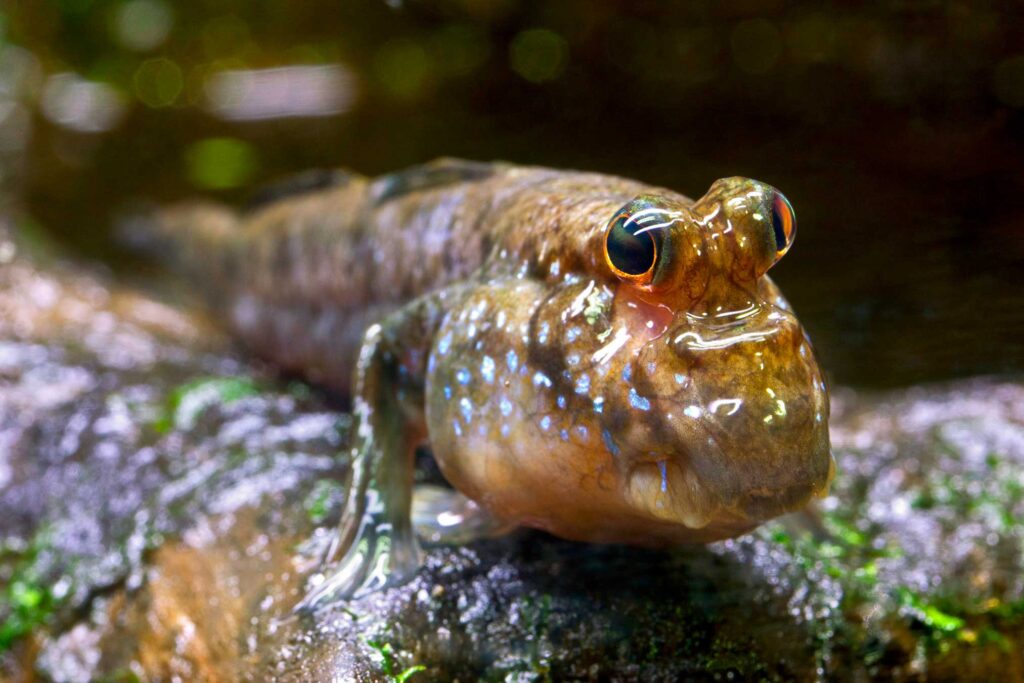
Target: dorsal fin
[
  {"x": 297, "y": 185},
  {"x": 433, "y": 174}
]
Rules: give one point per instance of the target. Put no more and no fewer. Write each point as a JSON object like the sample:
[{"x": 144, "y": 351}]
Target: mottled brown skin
[{"x": 474, "y": 306}]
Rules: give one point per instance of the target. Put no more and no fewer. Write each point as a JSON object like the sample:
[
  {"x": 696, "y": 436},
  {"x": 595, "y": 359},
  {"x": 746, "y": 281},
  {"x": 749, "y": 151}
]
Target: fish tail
[{"x": 190, "y": 237}]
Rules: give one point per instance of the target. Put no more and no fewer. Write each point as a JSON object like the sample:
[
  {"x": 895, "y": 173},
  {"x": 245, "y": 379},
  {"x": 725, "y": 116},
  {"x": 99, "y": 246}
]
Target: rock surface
[{"x": 163, "y": 501}]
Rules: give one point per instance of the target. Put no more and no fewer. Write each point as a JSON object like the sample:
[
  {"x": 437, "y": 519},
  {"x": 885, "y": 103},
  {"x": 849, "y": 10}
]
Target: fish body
[{"x": 584, "y": 354}]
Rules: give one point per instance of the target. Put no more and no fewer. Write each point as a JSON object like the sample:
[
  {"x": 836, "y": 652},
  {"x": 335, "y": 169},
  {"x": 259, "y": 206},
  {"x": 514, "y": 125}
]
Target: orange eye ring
[
  {"x": 630, "y": 251},
  {"x": 783, "y": 224}
]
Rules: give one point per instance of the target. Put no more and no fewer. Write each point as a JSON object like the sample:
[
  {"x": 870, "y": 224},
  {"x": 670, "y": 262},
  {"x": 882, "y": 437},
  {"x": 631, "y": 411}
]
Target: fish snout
[{"x": 760, "y": 406}]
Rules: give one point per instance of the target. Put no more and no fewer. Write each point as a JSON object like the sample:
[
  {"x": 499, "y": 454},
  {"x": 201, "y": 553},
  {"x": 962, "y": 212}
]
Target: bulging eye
[
  {"x": 633, "y": 239},
  {"x": 783, "y": 223}
]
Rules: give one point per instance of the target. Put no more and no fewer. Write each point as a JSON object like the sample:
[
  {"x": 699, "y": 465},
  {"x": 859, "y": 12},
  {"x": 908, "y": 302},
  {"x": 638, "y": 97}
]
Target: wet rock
[{"x": 163, "y": 502}]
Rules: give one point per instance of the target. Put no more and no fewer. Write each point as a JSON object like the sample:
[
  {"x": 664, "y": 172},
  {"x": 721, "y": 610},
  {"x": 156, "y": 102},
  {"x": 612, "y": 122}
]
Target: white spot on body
[{"x": 487, "y": 369}]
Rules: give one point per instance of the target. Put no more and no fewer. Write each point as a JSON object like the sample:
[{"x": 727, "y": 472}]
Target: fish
[{"x": 588, "y": 355}]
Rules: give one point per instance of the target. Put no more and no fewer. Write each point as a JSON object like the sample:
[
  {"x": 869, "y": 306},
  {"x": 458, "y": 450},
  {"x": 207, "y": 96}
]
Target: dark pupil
[
  {"x": 781, "y": 211},
  {"x": 780, "y": 231},
  {"x": 632, "y": 254}
]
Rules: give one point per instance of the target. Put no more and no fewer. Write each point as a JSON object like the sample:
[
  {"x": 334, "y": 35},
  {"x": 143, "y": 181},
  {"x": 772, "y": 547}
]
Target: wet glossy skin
[
  {"x": 481, "y": 308},
  {"x": 603, "y": 410}
]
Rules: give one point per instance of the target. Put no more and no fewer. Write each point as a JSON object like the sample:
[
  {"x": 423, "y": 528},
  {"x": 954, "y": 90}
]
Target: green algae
[
  {"x": 187, "y": 401},
  {"x": 28, "y": 600},
  {"x": 388, "y": 664},
  {"x": 324, "y": 499}
]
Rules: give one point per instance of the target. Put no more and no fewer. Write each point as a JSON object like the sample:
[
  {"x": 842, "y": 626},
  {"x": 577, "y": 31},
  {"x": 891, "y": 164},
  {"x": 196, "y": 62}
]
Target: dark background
[{"x": 895, "y": 128}]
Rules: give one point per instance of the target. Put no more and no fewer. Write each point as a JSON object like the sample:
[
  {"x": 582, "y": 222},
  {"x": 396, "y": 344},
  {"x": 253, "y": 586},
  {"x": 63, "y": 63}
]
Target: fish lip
[{"x": 784, "y": 500}]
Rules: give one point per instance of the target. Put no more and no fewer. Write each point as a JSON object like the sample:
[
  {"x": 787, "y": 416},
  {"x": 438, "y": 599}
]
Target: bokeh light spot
[
  {"x": 539, "y": 55},
  {"x": 79, "y": 104},
  {"x": 1008, "y": 81},
  {"x": 402, "y": 67},
  {"x": 756, "y": 45},
  {"x": 220, "y": 163},
  {"x": 158, "y": 82},
  {"x": 143, "y": 24},
  {"x": 252, "y": 94}
]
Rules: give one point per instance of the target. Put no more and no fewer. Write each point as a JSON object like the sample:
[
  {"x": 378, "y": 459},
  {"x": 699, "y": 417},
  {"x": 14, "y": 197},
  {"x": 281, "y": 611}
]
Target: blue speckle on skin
[
  {"x": 523, "y": 370},
  {"x": 561, "y": 402},
  {"x": 627, "y": 372},
  {"x": 506, "y": 407},
  {"x": 680, "y": 378},
  {"x": 638, "y": 401},
  {"x": 444, "y": 344},
  {"x": 447, "y": 392},
  {"x": 583, "y": 384},
  {"x": 564, "y": 434},
  {"x": 539, "y": 378},
  {"x": 692, "y": 411},
  {"x": 609, "y": 443},
  {"x": 431, "y": 364},
  {"x": 542, "y": 336},
  {"x": 573, "y": 359},
  {"x": 573, "y": 334},
  {"x": 457, "y": 427},
  {"x": 582, "y": 431},
  {"x": 467, "y": 410},
  {"x": 512, "y": 360},
  {"x": 505, "y": 429},
  {"x": 487, "y": 369},
  {"x": 545, "y": 423},
  {"x": 664, "y": 475},
  {"x": 599, "y": 404},
  {"x": 463, "y": 376}
]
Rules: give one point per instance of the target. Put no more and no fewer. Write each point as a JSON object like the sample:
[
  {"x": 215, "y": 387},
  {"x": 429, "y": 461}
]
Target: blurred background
[{"x": 895, "y": 128}]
